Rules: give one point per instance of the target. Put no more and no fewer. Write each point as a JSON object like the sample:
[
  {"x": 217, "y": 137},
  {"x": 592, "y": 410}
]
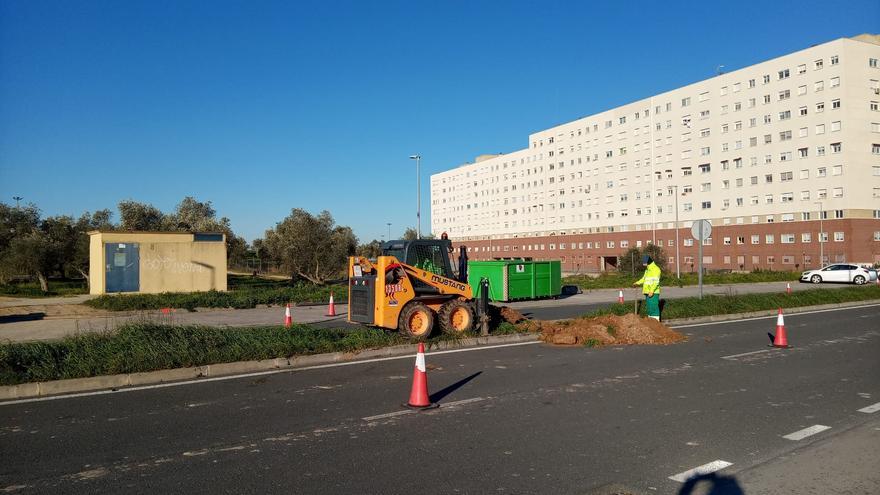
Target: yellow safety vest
[{"x": 650, "y": 281}]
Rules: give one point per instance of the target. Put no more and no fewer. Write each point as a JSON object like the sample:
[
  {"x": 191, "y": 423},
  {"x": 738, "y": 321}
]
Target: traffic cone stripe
[
  {"x": 288, "y": 319},
  {"x": 420, "y": 362},
  {"x": 620, "y": 296}
]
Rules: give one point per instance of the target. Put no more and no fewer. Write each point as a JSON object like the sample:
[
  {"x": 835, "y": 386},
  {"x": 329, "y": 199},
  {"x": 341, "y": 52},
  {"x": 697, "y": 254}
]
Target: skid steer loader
[{"x": 412, "y": 287}]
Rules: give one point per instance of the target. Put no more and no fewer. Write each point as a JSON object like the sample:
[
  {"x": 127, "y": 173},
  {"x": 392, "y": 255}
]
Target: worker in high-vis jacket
[{"x": 650, "y": 283}]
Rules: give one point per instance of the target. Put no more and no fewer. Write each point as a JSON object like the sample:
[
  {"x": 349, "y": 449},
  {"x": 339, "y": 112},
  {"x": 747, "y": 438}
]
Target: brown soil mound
[
  {"x": 609, "y": 330},
  {"x": 511, "y": 315}
]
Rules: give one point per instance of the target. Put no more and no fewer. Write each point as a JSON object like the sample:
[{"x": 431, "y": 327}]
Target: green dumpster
[{"x": 517, "y": 279}]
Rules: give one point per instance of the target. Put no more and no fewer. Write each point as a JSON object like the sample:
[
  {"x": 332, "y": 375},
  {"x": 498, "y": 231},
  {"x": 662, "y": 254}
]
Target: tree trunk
[
  {"x": 44, "y": 282},
  {"x": 85, "y": 276},
  {"x": 314, "y": 280}
]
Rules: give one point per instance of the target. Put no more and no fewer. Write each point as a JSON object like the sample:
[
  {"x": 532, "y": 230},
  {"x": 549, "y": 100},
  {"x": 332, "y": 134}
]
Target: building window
[
  {"x": 786, "y": 239},
  {"x": 756, "y": 239},
  {"x": 834, "y": 60},
  {"x": 835, "y": 104},
  {"x": 838, "y": 237},
  {"x": 769, "y": 239},
  {"x": 835, "y": 82}
]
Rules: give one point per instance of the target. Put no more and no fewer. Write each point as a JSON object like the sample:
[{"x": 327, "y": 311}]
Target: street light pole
[
  {"x": 677, "y": 262},
  {"x": 418, "y": 159},
  {"x": 17, "y": 199},
  {"x": 389, "y": 231},
  {"x": 821, "y": 230}
]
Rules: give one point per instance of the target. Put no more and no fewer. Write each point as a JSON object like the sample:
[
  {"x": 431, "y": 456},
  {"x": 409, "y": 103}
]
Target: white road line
[
  {"x": 774, "y": 316},
  {"x": 700, "y": 470},
  {"x": 390, "y": 415},
  {"x": 462, "y": 402},
  {"x": 411, "y": 411},
  {"x": 258, "y": 373},
  {"x": 870, "y": 409},
  {"x": 806, "y": 432},
  {"x": 734, "y": 356}
]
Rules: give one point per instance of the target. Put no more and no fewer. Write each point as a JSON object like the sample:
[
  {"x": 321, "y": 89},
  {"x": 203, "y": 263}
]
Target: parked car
[{"x": 838, "y": 272}]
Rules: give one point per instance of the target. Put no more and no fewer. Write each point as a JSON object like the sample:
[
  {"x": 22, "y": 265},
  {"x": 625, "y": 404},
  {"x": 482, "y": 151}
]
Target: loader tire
[
  {"x": 416, "y": 321},
  {"x": 456, "y": 317}
]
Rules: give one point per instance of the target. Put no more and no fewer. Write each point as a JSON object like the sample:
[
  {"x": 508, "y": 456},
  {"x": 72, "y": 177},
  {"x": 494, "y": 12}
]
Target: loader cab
[{"x": 431, "y": 255}]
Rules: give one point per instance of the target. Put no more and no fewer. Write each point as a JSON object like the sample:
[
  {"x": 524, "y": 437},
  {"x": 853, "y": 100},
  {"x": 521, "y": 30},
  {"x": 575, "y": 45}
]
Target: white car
[{"x": 838, "y": 272}]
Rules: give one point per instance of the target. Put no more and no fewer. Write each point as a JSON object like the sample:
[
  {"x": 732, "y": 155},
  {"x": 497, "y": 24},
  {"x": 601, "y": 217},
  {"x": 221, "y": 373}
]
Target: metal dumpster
[{"x": 517, "y": 279}]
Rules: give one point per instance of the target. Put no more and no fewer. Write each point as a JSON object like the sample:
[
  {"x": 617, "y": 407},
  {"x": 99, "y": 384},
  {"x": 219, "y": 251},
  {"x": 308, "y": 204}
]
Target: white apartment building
[{"x": 762, "y": 152}]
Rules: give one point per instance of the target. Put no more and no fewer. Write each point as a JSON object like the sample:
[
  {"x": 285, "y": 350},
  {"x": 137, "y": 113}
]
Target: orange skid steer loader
[{"x": 410, "y": 287}]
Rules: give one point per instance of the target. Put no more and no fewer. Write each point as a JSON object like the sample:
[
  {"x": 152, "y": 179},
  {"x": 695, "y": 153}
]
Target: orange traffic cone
[
  {"x": 418, "y": 397},
  {"x": 620, "y": 297},
  {"x": 788, "y": 287},
  {"x": 288, "y": 320},
  {"x": 780, "y": 340},
  {"x": 331, "y": 310}
]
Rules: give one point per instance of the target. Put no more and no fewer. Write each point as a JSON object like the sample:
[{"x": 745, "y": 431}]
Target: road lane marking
[
  {"x": 806, "y": 432},
  {"x": 788, "y": 315},
  {"x": 870, "y": 409},
  {"x": 389, "y": 415},
  {"x": 700, "y": 470},
  {"x": 412, "y": 411},
  {"x": 734, "y": 356},
  {"x": 258, "y": 373}
]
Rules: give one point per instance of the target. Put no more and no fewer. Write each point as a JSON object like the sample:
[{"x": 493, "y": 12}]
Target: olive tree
[{"x": 311, "y": 246}]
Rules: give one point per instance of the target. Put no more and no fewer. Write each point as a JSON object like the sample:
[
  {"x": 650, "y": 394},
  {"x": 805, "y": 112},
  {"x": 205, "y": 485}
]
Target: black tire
[
  {"x": 416, "y": 321},
  {"x": 816, "y": 279},
  {"x": 859, "y": 280},
  {"x": 456, "y": 317}
]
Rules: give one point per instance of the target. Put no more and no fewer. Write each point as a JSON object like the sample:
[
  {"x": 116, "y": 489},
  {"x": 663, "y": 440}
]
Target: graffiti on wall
[{"x": 171, "y": 265}]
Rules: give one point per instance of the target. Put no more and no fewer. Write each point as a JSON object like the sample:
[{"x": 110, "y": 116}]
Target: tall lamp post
[
  {"x": 418, "y": 159},
  {"x": 389, "y": 231},
  {"x": 17, "y": 199},
  {"x": 677, "y": 261},
  {"x": 821, "y": 243}
]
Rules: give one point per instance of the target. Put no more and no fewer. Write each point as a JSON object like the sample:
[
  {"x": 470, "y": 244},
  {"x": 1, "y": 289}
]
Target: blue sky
[{"x": 262, "y": 106}]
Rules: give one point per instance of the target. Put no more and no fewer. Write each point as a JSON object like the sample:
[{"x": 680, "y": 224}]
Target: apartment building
[{"x": 780, "y": 157}]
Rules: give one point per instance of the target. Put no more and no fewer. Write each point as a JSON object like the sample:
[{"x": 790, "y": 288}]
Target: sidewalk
[{"x": 54, "y": 328}]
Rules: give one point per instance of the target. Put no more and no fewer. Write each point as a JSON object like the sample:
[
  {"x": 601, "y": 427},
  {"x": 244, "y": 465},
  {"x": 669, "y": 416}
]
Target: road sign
[{"x": 703, "y": 234}]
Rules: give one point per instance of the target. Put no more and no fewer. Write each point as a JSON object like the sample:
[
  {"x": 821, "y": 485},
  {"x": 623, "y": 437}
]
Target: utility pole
[
  {"x": 821, "y": 231},
  {"x": 418, "y": 159},
  {"x": 677, "y": 261}
]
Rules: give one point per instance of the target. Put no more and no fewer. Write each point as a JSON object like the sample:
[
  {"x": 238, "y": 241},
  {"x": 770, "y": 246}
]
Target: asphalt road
[{"x": 518, "y": 419}]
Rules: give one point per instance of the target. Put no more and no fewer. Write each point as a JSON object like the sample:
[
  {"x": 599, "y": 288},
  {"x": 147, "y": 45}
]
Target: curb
[
  {"x": 116, "y": 382},
  {"x": 768, "y": 312}
]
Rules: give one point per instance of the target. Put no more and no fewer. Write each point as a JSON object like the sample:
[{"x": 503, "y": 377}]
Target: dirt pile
[
  {"x": 608, "y": 330},
  {"x": 510, "y": 315}
]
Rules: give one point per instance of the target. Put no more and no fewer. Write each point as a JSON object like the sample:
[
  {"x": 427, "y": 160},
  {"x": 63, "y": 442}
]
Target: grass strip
[
  {"x": 711, "y": 305},
  {"x": 140, "y": 347},
  {"x": 619, "y": 280},
  {"x": 241, "y": 298},
  {"x": 147, "y": 346}
]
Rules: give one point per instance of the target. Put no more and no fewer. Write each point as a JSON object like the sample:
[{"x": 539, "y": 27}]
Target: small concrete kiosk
[{"x": 154, "y": 262}]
